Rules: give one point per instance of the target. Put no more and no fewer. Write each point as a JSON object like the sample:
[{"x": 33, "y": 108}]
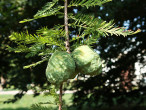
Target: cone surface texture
[
  {"x": 61, "y": 67},
  {"x": 87, "y": 60}
]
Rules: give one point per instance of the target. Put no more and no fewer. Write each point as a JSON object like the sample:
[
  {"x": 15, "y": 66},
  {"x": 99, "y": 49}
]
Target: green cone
[
  {"x": 61, "y": 67},
  {"x": 87, "y": 61}
]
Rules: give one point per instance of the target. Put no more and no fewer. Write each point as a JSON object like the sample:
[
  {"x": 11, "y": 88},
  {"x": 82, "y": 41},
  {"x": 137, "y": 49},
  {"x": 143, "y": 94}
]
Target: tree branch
[
  {"x": 67, "y": 47},
  {"x": 60, "y": 97},
  {"x": 66, "y": 27}
]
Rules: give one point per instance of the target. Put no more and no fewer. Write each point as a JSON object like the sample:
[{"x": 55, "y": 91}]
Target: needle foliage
[{"x": 46, "y": 40}]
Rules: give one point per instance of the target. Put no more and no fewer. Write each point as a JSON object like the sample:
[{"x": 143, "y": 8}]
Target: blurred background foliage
[{"x": 117, "y": 85}]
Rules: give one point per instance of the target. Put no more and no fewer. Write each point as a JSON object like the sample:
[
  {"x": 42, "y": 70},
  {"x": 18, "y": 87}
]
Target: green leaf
[
  {"x": 48, "y": 10},
  {"x": 23, "y": 37},
  {"x": 18, "y": 49},
  {"x": 50, "y": 37},
  {"x": 35, "y": 64}
]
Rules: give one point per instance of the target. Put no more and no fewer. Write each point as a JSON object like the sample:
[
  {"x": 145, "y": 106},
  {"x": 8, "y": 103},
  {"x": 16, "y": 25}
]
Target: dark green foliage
[
  {"x": 11, "y": 64},
  {"x": 111, "y": 89}
]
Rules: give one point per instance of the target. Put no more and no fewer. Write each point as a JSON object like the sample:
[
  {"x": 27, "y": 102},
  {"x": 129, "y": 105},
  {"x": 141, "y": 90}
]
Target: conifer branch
[
  {"x": 35, "y": 64},
  {"x": 91, "y": 24},
  {"x": 48, "y": 10},
  {"x": 44, "y": 36},
  {"x": 20, "y": 48},
  {"x": 37, "y": 44},
  {"x": 87, "y": 3},
  {"x": 23, "y": 37}
]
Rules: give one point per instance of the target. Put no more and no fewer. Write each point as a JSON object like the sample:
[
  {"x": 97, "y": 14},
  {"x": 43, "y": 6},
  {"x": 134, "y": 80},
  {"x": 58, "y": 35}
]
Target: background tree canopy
[
  {"x": 11, "y": 12},
  {"x": 114, "y": 86}
]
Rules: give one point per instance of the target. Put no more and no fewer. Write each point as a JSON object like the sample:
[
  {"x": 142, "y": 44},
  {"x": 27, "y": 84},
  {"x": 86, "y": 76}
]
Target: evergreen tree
[{"x": 87, "y": 30}]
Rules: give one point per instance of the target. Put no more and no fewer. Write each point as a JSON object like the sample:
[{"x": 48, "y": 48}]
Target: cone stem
[{"x": 60, "y": 97}]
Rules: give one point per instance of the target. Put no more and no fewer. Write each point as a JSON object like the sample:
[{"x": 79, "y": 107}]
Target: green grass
[{"x": 28, "y": 100}]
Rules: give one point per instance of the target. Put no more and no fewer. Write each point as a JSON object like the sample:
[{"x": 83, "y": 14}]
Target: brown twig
[
  {"x": 67, "y": 47},
  {"x": 66, "y": 27},
  {"x": 60, "y": 97}
]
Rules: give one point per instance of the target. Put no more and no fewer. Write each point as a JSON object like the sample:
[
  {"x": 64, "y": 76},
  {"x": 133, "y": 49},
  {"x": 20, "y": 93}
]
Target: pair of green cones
[{"x": 63, "y": 66}]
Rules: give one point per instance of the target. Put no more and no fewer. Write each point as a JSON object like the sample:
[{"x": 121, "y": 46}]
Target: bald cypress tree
[{"x": 78, "y": 29}]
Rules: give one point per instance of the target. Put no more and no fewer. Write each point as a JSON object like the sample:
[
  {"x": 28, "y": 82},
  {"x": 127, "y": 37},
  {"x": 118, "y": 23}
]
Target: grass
[{"x": 28, "y": 100}]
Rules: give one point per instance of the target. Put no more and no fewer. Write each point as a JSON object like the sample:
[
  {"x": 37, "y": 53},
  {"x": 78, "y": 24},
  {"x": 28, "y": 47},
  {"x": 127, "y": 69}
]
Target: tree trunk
[
  {"x": 126, "y": 76},
  {"x": 3, "y": 82}
]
